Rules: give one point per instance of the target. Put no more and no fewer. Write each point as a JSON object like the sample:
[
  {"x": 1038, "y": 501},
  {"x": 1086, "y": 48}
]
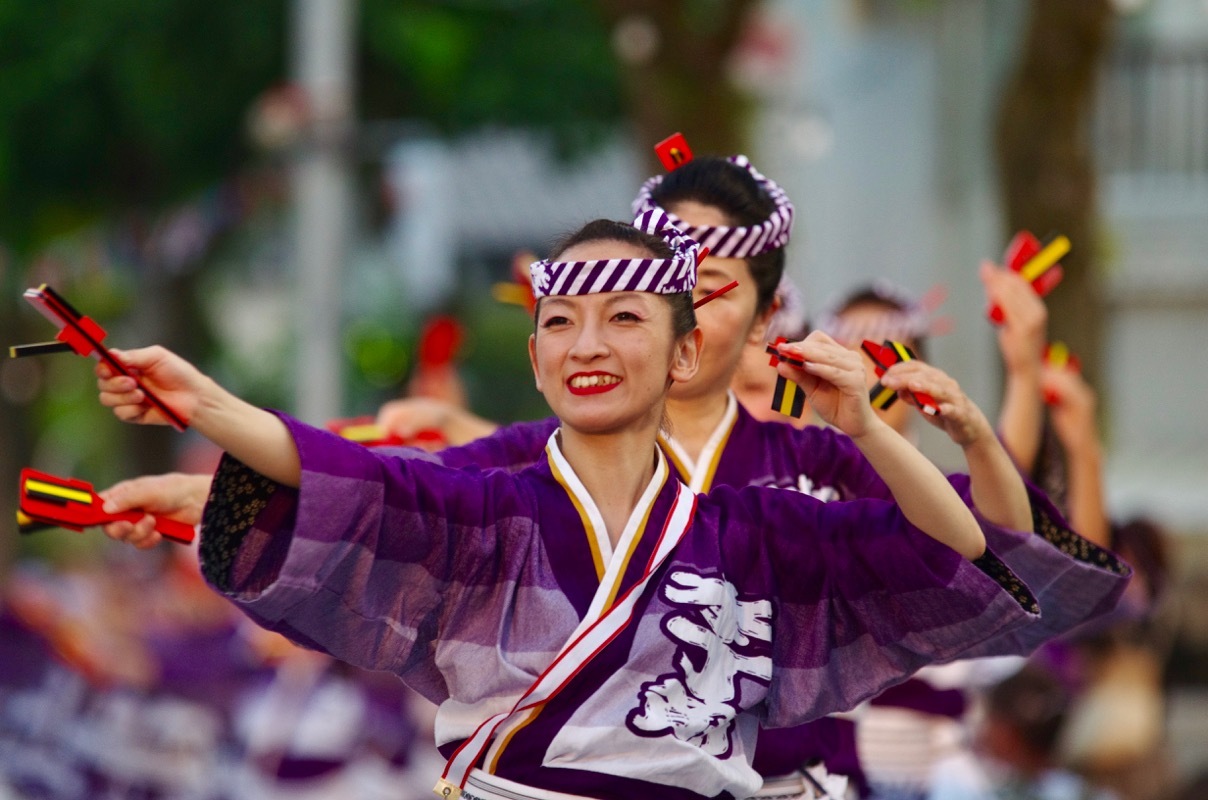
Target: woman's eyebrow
[{"x": 620, "y": 297}]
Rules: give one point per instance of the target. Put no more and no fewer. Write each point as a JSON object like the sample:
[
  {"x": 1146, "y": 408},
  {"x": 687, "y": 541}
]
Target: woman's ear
[
  {"x": 685, "y": 361},
  {"x": 758, "y": 334},
  {"x": 532, "y": 350}
]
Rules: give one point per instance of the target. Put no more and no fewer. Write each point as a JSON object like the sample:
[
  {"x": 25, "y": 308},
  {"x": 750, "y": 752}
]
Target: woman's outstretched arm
[
  {"x": 254, "y": 436},
  {"x": 1021, "y": 339},
  {"x": 1073, "y": 416}
]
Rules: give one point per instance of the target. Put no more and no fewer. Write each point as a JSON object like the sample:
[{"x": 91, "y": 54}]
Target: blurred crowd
[{"x": 130, "y": 678}]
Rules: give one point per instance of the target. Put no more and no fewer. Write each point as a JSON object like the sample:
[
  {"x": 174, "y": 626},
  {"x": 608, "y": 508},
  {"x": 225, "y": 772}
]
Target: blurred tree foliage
[
  {"x": 115, "y": 110},
  {"x": 676, "y": 59},
  {"x": 118, "y": 104},
  {"x": 132, "y": 103},
  {"x": 465, "y": 64},
  {"x": 123, "y": 104},
  {"x": 575, "y": 69}
]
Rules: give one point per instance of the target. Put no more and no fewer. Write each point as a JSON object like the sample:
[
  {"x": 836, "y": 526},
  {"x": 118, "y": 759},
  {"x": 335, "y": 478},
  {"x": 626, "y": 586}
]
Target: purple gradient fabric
[
  {"x": 776, "y": 608},
  {"x": 1073, "y": 580}
]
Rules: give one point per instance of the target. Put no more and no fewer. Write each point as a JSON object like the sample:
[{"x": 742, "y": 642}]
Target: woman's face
[
  {"x": 604, "y": 361},
  {"x": 728, "y": 322}
]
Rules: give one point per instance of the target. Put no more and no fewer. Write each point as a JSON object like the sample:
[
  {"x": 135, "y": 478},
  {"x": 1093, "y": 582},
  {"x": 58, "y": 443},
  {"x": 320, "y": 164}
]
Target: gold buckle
[{"x": 446, "y": 789}]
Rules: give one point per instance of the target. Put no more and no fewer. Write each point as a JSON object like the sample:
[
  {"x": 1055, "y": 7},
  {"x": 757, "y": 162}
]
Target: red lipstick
[{"x": 605, "y": 382}]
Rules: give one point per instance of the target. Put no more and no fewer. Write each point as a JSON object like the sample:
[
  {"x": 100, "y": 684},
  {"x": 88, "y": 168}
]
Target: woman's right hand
[
  {"x": 834, "y": 382},
  {"x": 175, "y": 496},
  {"x": 176, "y": 382}
]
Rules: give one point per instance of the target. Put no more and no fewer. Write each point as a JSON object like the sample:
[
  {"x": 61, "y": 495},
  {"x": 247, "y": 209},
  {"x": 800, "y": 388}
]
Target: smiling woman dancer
[
  {"x": 746, "y": 219},
  {"x": 713, "y": 441},
  {"x": 588, "y": 626}
]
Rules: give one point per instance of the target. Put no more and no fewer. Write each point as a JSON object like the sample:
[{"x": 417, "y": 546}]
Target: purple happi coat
[
  {"x": 1073, "y": 579},
  {"x": 774, "y": 608}
]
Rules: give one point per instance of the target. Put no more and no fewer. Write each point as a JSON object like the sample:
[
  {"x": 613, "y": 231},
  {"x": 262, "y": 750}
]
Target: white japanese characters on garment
[
  {"x": 721, "y": 638},
  {"x": 824, "y": 493}
]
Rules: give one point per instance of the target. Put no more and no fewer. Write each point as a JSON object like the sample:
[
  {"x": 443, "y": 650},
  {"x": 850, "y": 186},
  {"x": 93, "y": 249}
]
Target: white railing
[{"x": 1151, "y": 117}]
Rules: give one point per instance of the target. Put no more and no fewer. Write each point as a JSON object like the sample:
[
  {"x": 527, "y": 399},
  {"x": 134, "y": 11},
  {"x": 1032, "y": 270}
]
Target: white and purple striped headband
[
  {"x": 732, "y": 242},
  {"x": 658, "y": 275}
]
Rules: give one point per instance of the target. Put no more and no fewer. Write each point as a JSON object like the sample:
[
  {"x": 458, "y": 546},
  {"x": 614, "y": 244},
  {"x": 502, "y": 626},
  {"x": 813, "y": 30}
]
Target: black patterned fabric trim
[
  {"x": 1049, "y": 471},
  {"x": 237, "y": 495},
  {"x": 1001, "y": 574},
  {"x": 1073, "y": 545}
]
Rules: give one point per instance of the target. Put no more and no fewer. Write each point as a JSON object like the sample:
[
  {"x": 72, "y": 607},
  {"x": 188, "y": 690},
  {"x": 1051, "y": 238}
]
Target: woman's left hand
[
  {"x": 178, "y": 384},
  {"x": 959, "y": 416},
  {"x": 833, "y": 380}
]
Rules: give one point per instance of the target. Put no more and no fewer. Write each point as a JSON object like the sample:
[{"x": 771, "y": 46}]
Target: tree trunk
[
  {"x": 15, "y": 444},
  {"x": 683, "y": 85},
  {"x": 1045, "y": 161}
]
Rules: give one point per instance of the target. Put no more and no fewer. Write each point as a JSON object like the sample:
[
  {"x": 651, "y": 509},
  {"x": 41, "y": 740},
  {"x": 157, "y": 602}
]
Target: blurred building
[
  {"x": 877, "y": 117},
  {"x": 1152, "y": 136},
  {"x": 463, "y": 207},
  {"x": 883, "y": 134}
]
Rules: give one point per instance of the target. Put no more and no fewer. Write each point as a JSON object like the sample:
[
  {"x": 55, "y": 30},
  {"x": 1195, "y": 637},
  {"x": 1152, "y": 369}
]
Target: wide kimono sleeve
[
  {"x": 511, "y": 448},
  {"x": 1074, "y": 580},
  {"x": 861, "y": 598},
  {"x": 830, "y": 458},
  {"x": 359, "y": 561}
]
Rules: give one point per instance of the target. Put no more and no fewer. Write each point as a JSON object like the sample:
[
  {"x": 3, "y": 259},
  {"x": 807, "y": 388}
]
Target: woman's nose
[{"x": 589, "y": 343}]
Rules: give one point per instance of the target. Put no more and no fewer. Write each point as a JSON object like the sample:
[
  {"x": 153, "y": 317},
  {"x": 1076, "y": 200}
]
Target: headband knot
[
  {"x": 658, "y": 275},
  {"x": 725, "y": 241}
]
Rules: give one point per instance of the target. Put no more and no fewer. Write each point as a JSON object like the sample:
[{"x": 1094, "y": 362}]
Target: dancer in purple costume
[
  {"x": 467, "y": 583},
  {"x": 716, "y": 442}
]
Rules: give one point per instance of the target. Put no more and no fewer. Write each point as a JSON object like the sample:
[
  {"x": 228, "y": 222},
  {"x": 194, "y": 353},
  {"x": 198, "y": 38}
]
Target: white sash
[{"x": 575, "y": 654}]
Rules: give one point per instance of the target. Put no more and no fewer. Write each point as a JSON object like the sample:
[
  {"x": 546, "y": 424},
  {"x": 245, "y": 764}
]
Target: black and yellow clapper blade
[{"x": 787, "y": 397}]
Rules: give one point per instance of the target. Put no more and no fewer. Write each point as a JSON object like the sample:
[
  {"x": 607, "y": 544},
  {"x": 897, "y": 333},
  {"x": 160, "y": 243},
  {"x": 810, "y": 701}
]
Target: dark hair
[
  {"x": 683, "y": 315},
  {"x": 728, "y": 187},
  {"x": 1143, "y": 544},
  {"x": 1034, "y": 703},
  {"x": 870, "y": 295}
]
